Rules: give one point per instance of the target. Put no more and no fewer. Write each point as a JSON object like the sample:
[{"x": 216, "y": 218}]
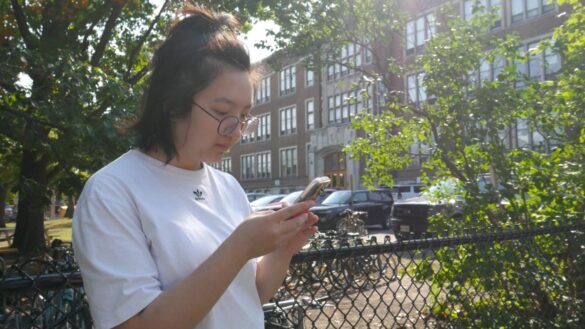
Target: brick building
[{"x": 304, "y": 113}]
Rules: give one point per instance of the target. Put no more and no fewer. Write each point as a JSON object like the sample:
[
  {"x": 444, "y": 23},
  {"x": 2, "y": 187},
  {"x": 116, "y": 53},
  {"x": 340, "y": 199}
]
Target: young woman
[{"x": 162, "y": 239}]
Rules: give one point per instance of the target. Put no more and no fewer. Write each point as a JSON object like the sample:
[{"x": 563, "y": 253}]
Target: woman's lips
[{"x": 224, "y": 147}]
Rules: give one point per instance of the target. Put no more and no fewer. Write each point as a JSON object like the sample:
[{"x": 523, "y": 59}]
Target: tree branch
[
  {"x": 141, "y": 42},
  {"x": 22, "y": 23},
  {"x": 94, "y": 18},
  {"x": 107, "y": 33},
  {"x": 31, "y": 118},
  {"x": 101, "y": 109},
  {"x": 136, "y": 77}
]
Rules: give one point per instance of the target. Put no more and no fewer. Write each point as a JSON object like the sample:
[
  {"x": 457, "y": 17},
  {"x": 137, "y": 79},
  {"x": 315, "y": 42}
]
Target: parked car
[
  {"x": 445, "y": 197},
  {"x": 254, "y": 195},
  {"x": 266, "y": 200},
  {"x": 10, "y": 212},
  {"x": 410, "y": 217},
  {"x": 403, "y": 192},
  {"x": 375, "y": 204},
  {"x": 324, "y": 195}
]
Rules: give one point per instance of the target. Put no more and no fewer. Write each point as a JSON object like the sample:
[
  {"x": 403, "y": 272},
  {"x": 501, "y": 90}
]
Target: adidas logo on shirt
[{"x": 199, "y": 195}]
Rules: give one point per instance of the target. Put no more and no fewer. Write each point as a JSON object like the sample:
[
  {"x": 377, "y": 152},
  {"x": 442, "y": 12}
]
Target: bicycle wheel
[
  {"x": 375, "y": 267},
  {"x": 339, "y": 274}
]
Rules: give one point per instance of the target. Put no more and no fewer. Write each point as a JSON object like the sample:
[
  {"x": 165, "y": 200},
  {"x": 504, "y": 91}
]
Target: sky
[{"x": 258, "y": 33}]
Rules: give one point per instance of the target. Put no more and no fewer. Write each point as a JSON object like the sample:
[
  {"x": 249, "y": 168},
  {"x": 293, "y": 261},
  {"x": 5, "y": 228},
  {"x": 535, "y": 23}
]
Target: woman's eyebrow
[{"x": 228, "y": 101}]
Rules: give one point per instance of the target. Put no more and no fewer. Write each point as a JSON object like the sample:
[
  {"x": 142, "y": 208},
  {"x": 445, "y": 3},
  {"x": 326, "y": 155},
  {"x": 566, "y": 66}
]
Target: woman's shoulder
[
  {"x": 221, "y": 174},
  {"x": 114, "y": 175}
]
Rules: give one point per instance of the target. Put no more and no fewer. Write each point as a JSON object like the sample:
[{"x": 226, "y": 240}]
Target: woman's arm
[
  {"x": 272, "y": 268},
  {"x": 185, "y": 304}
]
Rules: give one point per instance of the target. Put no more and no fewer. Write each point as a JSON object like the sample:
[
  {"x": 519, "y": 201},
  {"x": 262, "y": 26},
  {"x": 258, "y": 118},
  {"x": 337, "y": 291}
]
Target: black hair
[{"x": 198, "y": 48}]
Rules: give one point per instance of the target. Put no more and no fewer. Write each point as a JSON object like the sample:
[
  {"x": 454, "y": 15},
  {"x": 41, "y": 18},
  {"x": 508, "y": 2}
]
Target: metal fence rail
[{"x": 529, "y": 278}]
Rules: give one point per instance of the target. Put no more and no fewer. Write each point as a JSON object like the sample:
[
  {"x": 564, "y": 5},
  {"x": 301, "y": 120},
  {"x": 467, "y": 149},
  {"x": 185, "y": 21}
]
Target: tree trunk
[
  {"x": 29, "y": 235},
  {"x": 70, "y": 206},
  {"x": 3, "y": 194}
]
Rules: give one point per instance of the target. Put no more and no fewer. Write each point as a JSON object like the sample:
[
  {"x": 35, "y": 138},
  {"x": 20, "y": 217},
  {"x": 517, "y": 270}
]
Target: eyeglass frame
[{"x": 242, "y": 124}]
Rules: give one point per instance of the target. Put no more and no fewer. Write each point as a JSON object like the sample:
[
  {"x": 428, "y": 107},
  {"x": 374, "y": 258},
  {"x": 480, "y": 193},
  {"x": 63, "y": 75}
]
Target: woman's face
[{"x": 196, "y": 138}]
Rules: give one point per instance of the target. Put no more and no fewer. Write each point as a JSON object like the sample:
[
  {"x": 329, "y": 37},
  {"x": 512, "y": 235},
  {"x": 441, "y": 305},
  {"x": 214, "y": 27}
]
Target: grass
[{"x": 56, "y": 228}]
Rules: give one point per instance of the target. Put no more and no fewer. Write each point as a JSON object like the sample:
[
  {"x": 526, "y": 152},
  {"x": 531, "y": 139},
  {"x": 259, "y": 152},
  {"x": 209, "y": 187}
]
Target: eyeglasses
[{"x": 230, "y": 123}]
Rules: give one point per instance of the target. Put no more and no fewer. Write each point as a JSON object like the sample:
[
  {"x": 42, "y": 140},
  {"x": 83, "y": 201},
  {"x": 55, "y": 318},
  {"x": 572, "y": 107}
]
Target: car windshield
[
  {"x": 266, "y": 200},
  {"x": 338, "y": 197},
  {"x": 291, "y": 198}
]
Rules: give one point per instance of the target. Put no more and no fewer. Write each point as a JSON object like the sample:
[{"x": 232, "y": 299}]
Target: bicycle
[
  {"x": 65, "y": 308},
  {"x": 351, "y": 223},
  {"x": 288, "y": 314}
]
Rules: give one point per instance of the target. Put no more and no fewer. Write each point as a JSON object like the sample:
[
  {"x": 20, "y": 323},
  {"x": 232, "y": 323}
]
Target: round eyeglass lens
[{"x": 227, "y": 126}]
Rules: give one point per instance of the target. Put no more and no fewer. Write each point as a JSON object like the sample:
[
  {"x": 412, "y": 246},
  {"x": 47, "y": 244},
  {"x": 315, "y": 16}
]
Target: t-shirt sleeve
[{"x": 119, "y": 274}]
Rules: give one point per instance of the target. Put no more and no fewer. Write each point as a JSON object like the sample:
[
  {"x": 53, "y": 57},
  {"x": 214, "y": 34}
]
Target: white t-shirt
[{"x": 141, "y": 226}]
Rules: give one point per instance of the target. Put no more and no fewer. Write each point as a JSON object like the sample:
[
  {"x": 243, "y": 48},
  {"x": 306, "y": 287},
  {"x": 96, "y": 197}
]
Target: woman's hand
[
  {"x": 298, "y": 241},
  {"x": 285, "y": 230}
]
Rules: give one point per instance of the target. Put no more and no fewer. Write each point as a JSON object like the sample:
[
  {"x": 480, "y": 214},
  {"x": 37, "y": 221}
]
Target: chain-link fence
[
  {"x": 45, "y": 292},
  {"x": 530, "y": 278}
]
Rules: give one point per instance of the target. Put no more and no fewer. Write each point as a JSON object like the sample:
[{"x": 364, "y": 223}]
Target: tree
[
  {"x": 72, "y": 74},
  {"x": 8, "y": 173},
  {"x": 463, "y": 125}
]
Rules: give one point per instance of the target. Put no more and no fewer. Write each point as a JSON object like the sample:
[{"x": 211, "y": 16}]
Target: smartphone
[{"x": 315, "y": 187}]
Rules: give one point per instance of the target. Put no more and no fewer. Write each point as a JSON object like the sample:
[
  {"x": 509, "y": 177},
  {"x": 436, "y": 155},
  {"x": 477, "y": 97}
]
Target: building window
[
  {"x": 263, "y": 132},
  {"x": 308, "y": 157},
  {"x": 381, "y": 95},
  {"x": 552, "y": 62},
  {"x": 224, "y": 165},
  {"x": 341, "y": 107},
  {"x": 527, "y": 137},
  {"x": 264, "y": 165},
  {"x": 487, "y": 71},
  {"x": 309, "y": 77},
  {"x": 248, "y": 165},
  {"x": 248, "y": 138},
  {"x": 521, "y": 69},
  {"x": 288, "y": 162},
  {"x": 346, "y": 59},
  {"x": 543, "y": 64},
  {"x": 470, "y": 7},
  {"x": 288, "y": 81},
  {"x": 419, "y": 152},
  {"x": 415, "y": 87},
  {"x": 418, "y": 31},
  {"x": 368, "y": 56},
  {"x": 310, "y": 110},
  {"x": 263, "y": 92},
  {"x": 540, "y": 65},
  {"x": 256, "y": 166},
  {"x": 525, "y": 9},
  {"x": 288, "y": 120}
]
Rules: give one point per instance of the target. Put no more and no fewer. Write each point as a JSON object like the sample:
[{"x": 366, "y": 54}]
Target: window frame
[
  {"x": 287, "y": 80},
  {"x": 263, "y": 92},
  {"x": 309, "y": 115},
  {"x": 418, "y": 80},
  {"x": 542, "y": 8},
  {"x": 413, "y": 29},
  {"x": 288, "y": 127},
  {"x": 293, "y": 161}
]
